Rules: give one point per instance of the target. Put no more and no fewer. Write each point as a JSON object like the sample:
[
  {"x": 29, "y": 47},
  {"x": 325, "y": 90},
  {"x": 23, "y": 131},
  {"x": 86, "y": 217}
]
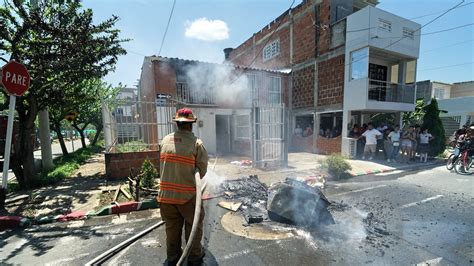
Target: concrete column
[
  {"x": 463, "y": 120},
  {"x": 316, "y": 126},
  {"x": 346, "y": 116},
  {"x": 45, "y": 139}
]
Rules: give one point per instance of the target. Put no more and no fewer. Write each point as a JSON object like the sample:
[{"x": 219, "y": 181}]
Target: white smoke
[{"x": 222, "y": 83}]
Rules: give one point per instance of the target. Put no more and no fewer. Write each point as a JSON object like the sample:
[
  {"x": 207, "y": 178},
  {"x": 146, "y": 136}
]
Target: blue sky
[{"x": 144, "y": 21}]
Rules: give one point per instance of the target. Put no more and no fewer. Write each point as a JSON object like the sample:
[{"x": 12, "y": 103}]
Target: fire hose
[{"x": 196, "y": 219}]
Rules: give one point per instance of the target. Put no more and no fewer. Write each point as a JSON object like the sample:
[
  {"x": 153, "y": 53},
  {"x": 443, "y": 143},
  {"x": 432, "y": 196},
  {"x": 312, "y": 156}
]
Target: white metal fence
[{"x": 137, "y": 125}]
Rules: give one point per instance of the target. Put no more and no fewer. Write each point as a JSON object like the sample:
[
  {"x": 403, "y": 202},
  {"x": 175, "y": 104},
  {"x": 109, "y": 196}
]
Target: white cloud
[{"x": 207, "y": 30}]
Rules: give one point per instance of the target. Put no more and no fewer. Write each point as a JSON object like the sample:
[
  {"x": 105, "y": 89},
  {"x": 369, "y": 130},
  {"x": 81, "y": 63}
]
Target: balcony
[
  {"x": 187, "y": 95},
  {"x": 390, "y": 92}
]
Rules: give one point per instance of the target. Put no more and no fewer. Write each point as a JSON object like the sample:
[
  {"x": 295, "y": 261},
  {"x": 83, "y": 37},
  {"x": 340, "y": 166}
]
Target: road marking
[
  {"x": 360, "y": 190},
  {"x": 390, "y": 173},
  {"x": 462, "y": 180},
  {"x": 241, "y": 253},
  {"x": 435, "y": 261},
  {"x": 421, "y": 201}
]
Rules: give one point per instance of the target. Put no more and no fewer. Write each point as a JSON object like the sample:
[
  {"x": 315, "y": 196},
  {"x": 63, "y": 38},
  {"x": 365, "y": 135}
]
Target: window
[
  {"x": 274, "y": 90},
  {"x": 242, "y": 126},
  {"x": 394, "y": 74},
  {"x": 271, "y": 50},
  {"x": 440, "y": 93},
  {"x": 408, "y": 33},
  {"x": 359, "y": 63},
  {"x": 411, "y": 71},
  {"x": 385, "y": 25}
]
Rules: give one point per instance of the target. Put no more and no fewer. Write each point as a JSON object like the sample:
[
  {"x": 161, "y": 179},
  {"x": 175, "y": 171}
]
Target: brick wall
[
  {"x": 118, "y": 165},
  {"x": 303, "y": 87},
  {"x": 304, "y": 40},
  {"x": 328, "y": 146},
  {"x": 299, "y": 144},
  {"x": 331, "y": 81}
]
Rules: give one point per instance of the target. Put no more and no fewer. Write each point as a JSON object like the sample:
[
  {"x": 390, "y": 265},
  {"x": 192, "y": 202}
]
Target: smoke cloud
[{"x": 218, "y": 83}]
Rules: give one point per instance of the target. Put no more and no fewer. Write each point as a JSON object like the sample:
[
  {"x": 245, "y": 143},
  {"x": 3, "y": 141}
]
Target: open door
[{"x": 223, "y": 137}]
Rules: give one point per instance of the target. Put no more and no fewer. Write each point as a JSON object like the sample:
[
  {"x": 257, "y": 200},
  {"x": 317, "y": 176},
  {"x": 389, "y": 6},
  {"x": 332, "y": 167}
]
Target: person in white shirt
[
  {"x": 370, "y": 136},
  {"x": 298, "y": 131},
  {"x": 394, "y": 138},
  {"x": 425, "y": 139}
]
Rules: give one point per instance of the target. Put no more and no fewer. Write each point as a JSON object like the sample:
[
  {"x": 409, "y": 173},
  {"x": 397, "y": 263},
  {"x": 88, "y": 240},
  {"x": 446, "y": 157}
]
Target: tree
[
  {"x": 415, "y": 117},
  {"x": 90, "y": 112},
  {"x": 433, "y": 123},
  {"x": 60, "y": 46}
]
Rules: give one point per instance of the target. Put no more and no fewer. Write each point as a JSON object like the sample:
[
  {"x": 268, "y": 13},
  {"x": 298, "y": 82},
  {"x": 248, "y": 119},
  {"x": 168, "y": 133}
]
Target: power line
[
  {"x": 446, "y": 46},
  {"x": 167, "y": 26},
  {"x": 431, "y": 21},
  {"x": 430, "y": 33},
  {"x": 434, "y": 13},
  {"x": 449, "y": 66},
  {"x": 263, "y": 47}
]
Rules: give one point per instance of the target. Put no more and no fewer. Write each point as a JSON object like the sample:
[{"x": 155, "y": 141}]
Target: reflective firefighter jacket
[{"x": 181, "y": 153}]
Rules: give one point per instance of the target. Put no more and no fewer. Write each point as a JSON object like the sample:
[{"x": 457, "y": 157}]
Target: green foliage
[
  {"x": 336, "y": 165},
  {"x": 433, "y": 123},
  {"x": 66, "y": 165},
  {"x": 149, "y": 174},
  {"x": 61, "y": 47},
  {"x": 131, "y": 146},
  {"x": 415, "y": 117}
]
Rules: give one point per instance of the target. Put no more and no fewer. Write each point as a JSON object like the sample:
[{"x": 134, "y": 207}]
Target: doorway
[{"x": 223, "y": 136}]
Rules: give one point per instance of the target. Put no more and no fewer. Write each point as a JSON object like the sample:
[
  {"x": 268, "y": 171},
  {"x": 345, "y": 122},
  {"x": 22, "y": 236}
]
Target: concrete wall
[
  {"x": 457, "y": 106},
  {"x": 368, "y": 18},
  {"x": 462, "y": 89},
  {"x": 437, "y": 85}
]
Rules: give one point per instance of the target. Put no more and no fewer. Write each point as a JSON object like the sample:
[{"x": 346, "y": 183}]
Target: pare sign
[{"x": 15, "y": 78}]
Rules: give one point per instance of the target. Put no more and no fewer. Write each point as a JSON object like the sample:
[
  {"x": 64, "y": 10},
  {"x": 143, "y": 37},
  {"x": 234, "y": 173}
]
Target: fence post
[{"x": 107, "y": 128}]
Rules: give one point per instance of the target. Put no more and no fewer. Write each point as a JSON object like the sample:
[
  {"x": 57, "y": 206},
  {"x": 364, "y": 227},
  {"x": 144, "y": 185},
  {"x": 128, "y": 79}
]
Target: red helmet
[{"x": 185, "y": 115}]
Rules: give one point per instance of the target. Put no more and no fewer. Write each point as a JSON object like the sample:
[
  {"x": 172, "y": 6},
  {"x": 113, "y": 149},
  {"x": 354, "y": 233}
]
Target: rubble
[
  {"x": 233, "y": 206},
  {"x": 294, "y": 202}
]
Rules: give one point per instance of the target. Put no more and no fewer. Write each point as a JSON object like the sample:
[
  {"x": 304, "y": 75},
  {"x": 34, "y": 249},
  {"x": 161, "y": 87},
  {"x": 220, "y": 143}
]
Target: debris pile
[
  {"x": 294, "y": 202},
  {"x": 250, "y": 193},
  {"x": 376, "y": 230}
]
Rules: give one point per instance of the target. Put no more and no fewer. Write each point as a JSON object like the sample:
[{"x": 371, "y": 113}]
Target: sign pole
[{"x": 8, "y": 141}]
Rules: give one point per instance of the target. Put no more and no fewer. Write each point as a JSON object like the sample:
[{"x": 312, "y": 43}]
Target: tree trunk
[
  {"x": 57, "y": 129},
  {"x": 81, "y": 133},
  {"x": 23, "y": 157},
  {"x": 96, "y": 137}
]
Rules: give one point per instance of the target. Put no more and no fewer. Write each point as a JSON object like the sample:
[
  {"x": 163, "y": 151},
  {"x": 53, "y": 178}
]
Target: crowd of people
[
  {"x": 308, "y": 131},
  {"x": 397, "y": 145}
]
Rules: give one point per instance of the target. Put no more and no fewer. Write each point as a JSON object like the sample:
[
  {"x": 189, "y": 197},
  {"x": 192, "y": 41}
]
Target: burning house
[{"x": 240, "y": 110}]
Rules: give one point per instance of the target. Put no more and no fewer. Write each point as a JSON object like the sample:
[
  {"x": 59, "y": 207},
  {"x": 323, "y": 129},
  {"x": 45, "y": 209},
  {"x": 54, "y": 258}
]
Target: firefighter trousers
[{"x": 175, "y": 216}]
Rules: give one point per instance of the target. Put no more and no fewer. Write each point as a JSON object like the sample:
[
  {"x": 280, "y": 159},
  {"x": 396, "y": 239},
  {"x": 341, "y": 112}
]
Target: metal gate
[{"x": 268, "y": 131}]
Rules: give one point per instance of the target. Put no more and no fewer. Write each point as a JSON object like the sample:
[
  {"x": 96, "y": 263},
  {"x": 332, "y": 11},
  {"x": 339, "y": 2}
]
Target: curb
[
  {"x": 404, "y": 168},
  {"x": 12, "y": 222}
]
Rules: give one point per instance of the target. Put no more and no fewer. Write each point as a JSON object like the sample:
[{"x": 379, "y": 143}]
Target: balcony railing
[
  {"x": 190, "y": 96},
  {"x": 391, "y": 92}
]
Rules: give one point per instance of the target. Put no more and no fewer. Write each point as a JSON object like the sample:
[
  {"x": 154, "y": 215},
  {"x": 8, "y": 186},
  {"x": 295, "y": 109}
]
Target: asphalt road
[{"x": 418, "y": 217}]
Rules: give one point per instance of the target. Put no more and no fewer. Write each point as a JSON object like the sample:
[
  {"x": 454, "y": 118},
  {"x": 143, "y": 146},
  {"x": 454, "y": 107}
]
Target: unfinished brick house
[
  {"x": 240, "y": 110},
  {"x": 348, "y": 61}
]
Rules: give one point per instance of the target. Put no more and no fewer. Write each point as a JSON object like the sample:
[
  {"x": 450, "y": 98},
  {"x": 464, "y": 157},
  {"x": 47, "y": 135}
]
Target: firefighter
[{"x": 181, "y": 155}]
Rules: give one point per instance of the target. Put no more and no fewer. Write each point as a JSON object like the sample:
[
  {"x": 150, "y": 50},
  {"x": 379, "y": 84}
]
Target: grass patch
[{"x": 66, "y": 165}]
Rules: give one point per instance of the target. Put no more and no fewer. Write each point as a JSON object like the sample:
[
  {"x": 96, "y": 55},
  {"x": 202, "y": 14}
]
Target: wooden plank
[
  {"x": 125, "y": 193},
  {"x": 117, "y": 192},
  {"x": 233, "y": 206}
]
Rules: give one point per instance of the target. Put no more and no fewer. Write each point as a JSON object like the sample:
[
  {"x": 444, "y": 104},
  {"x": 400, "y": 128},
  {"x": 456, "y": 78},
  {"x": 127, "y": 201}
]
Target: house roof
[{"x": 188, "y": 61}]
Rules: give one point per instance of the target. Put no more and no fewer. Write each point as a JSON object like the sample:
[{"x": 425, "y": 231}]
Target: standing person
[
  {"x": 407, "y": 138},
  {"x": 394, "y": 138},
  {"x": 181, "y": 155},
  {"x": 370, "y": 136},
  {"x": 387, "y": 144},
  {"x": 425, "y": 139},
  {"x": 416, "y": 132},
  {"x": 298, "y": 131}
]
